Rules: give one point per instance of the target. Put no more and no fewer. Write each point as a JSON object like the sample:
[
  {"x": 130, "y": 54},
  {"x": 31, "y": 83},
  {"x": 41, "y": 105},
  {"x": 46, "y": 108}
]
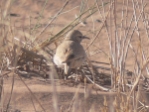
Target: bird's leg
[
  {"x": 76, "y": 75},
  {"x": 66, "y": 70},
  {"x": 61, "y": 73}
]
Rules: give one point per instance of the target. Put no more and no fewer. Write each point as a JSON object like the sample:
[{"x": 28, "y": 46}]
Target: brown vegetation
[{"x": 115, "y": 77}]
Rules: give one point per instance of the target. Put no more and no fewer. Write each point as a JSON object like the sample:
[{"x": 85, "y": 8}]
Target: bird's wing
[{"x": 70, "y": 50}]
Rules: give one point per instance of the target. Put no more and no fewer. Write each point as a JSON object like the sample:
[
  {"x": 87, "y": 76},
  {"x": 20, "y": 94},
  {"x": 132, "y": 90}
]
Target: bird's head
[{"x": 75, "y": 35}]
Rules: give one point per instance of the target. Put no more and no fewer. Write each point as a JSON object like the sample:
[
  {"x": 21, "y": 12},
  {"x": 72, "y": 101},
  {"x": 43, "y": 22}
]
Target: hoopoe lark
[{"x": 70, "y": 54}]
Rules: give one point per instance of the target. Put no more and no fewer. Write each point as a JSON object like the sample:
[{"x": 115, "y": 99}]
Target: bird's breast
[{"x": 58, "y": 61}]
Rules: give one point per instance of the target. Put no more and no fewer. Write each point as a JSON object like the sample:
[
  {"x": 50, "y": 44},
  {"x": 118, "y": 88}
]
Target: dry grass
[{"x": 125, "y": 27}]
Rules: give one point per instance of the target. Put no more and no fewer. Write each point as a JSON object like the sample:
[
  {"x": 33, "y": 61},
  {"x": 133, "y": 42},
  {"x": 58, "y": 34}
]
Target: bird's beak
[{"x": 85, "y": 37}]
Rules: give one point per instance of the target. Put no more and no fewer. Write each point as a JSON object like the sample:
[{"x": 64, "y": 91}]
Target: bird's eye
[{"x": 80, "y": 36}]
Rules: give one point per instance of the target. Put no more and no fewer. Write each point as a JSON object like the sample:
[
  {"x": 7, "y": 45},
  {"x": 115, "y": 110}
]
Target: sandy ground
[{"x": 23, "y": 100}]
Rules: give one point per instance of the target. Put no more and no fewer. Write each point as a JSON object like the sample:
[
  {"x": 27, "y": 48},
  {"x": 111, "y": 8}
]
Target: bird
[{"x": 70, "y": 54}]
